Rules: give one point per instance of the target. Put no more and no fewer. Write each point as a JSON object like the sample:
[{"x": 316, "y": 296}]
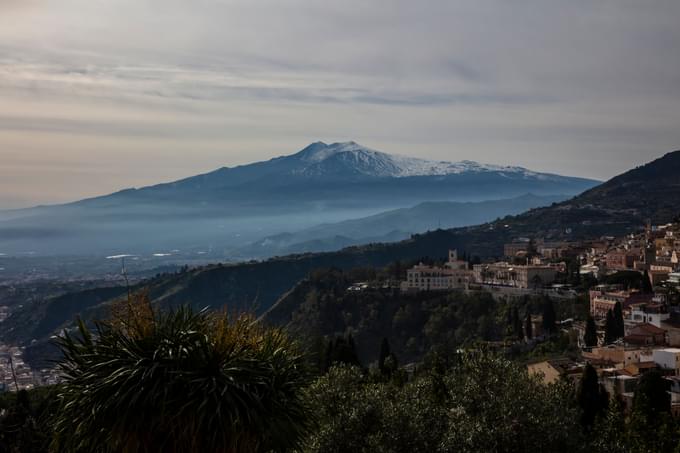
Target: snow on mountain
[{"x": 322, "y": 159}]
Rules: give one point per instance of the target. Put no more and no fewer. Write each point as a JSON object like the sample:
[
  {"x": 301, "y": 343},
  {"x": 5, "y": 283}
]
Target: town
[{"x": 628, "y": 331}]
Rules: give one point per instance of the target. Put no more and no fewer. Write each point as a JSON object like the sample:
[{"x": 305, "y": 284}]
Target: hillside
[
  {"x": 414, "y": 323},
  {"x": 393, "y": 225},
  {"x": 256, "y": 286}
]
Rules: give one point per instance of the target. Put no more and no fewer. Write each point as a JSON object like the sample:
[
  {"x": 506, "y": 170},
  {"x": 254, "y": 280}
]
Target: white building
[
  {"x": 454, "y": 274},
  {"x": 517, "y": 276},
  {"x": 644, "y": 314},
  {"x": 668, "y": 359}
]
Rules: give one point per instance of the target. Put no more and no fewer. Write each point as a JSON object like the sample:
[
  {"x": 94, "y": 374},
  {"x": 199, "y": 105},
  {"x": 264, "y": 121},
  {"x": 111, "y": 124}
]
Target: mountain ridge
[
  {"x": 256, "y": 286},
  {"x": 216, "y": 210}
]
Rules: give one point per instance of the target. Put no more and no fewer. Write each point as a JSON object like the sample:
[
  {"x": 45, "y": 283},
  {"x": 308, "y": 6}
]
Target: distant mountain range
[
  {"x": 393, "y": 225},
  {"x": 619, "y": 206},
  {"x": 230, "y": 207}
]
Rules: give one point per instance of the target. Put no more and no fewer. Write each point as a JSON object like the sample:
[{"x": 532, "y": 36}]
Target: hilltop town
[{"x": 632, "y": 325}]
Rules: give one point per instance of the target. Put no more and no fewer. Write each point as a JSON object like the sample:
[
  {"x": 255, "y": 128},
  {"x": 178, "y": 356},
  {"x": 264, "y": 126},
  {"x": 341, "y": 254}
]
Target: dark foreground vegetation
[{"x": 207, "y": 382}]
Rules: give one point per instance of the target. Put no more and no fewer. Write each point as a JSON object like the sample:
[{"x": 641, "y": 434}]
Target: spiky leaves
[{"x": 180, "y": 382}]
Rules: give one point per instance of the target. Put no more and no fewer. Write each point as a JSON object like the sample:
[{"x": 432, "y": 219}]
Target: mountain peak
[
  {"x": 321, "y": 159},
  {"x": 319, "y": 151}
]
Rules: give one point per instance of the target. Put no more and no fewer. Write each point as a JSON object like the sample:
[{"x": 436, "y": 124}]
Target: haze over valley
[{"x": 324, "y": 197}]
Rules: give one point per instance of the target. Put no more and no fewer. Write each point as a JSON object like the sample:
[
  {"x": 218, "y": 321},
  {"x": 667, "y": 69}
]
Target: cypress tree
[
  {"x": 517, "y": 324},
  {"x": 609, "y": 328},
  {"x": 651, "y": 398},
  {"x": 592, "y": 398},
  {"x": 511, "y": 319},
  {"x": 590, "y": 336},
  {"x": 549, "y": 317},
  {"x": 384, "y": 354},
  {"x": 344, "y": 351},
  {"x": 646, "y": 284},
  {"x": 618, "y": 321},
  {"x": 528, "y": 327}
]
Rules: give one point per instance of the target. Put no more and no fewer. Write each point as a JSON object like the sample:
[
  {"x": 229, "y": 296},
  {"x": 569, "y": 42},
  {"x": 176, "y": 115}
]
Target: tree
[
  {"x": 590, "y": 335},
  {"x": 343, "y": 350},
  {"x": 179, "y": 382},
  {"x": 610, "y": 328},
  {"x": 24, "y": 421},
  {"x": 495, "y": 407},
  {"x": 651, "y": 427},
  {"x": 651, "y": 398},
  {"x": 384, "y": 354},
  {"x": 646, "y": 284},
  {"x": 592, "y": 398},
  {"x": 484, "y": 403},
  {"x": 528, "y": 327},
  {"x": 517, "y": 324},
  {"x": 549, "y": 316},
  {"x": 518, "y": 327},
  {"x": 619, "y": 330}
]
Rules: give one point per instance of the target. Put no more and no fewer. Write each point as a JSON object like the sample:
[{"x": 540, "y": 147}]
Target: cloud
[{"x": 524, "y": 82}]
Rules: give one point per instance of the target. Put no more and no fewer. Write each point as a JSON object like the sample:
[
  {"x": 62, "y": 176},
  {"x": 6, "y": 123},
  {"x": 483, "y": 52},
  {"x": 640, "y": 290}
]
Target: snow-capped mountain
[
  {"x": 324, "y": 159},
  {"x": 230, "y": 207}
]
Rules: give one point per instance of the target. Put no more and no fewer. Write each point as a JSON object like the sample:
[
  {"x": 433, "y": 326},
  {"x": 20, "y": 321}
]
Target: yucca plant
[{"x": 179, "y": 382}]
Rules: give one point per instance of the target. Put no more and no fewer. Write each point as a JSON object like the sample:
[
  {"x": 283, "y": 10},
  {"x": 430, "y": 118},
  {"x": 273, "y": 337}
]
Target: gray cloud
[{"x": 526, "y": 82}]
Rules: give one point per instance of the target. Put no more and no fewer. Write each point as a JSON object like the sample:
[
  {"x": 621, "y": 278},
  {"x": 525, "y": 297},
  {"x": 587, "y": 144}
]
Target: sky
[{"x": 100, "y": 95}]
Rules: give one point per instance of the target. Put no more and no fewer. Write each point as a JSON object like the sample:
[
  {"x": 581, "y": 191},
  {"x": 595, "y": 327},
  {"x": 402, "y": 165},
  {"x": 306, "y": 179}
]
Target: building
[
  {"x": 516, "y": 248},
  {"x": 516, "y": 276},
  {"x": 453, "y": 275},
  {"x": 668, "y": 359},
  {"x": 620, "y": 384},
  {"x": 603, "y": 299},
  {"x": 556, "y": 250},
  {"x": 654, "y": 314},
  {"x": 659, "y": 272},
  {"x": 551, "y": 371},
  {"x": 674, "y": 279},
  {"x": 645, "y": 335},
  {"x": 621, "y": 260},
  {"x": 616, "y": 355}
]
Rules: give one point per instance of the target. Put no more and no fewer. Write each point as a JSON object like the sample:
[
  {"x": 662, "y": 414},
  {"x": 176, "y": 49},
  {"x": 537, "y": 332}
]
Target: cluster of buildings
[
  {"x": 458, "y": 274},
  {"x": 619, "y": 369},
  {"x": 651, "y": 318},
  {"x": 15, "y": 374},
  {"x": 655, "y": 251}
]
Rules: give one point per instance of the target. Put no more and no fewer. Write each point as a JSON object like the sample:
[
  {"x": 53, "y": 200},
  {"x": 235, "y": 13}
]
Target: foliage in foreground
[
  {"x": 485, "y": 403},
  {"x": 179, "y": 382},
  {"x": 24, "y": 420}
]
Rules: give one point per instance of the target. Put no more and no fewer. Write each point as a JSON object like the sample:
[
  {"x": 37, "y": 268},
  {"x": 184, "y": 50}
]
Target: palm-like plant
[{"x": 180, "y": 382}]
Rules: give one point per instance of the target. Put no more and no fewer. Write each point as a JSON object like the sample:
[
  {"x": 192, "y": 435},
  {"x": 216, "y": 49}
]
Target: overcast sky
[{"x": 98, "y": 95}]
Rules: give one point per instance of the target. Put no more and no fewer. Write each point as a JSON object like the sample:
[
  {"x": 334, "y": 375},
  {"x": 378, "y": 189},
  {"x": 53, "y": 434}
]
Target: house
[
  {"x": 603, "y": 299},
  {"x": 516, "y": 248},
  {"x": 516, "y": 276},
  {"x": 616, "y": 355},
  {"x": 621, "y": 260},
  {"x": 673, "y": 279},
  {"x": 546, "y": 371},
  {"x": 638, "y": 369},
  {"x": 550, "y": 371},
  {"x": 620, "y": 384},
  {"x": 674, "y": 389},
  {"x": 454, "y": 274},
  {"x": 668, "y": 359},
  {"x": 651, "y": 313},
  {"x": 645, "y": 334},
  {"x": 672, "y": 328}
]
